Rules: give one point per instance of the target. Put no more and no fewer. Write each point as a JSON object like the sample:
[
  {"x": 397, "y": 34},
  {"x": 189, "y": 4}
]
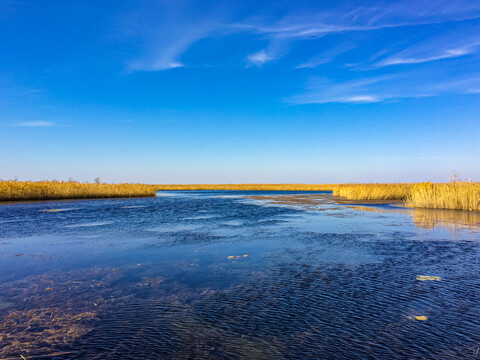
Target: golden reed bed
[
  {"x": 13, "y": 190},
  {"x": 254, "y": 187},
  {"x": 456, "y": 195},
  {"x": 374, "y": 191}
]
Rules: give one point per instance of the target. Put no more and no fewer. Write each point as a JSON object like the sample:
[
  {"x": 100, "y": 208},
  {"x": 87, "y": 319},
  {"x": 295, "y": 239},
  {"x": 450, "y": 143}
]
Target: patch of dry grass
[
  {"x": 374, "y": 191},
  {"x": 251, "y": 187},
  {"x": 455, "y": 195},
  {"x": 12, "y": 190}
]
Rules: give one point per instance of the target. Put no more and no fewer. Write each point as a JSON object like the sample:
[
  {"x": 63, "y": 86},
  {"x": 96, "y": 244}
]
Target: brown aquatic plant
[
  {"x": 455, "y": 195},
  {"x": 393, "y": 191},
  {"x": 13, "y": 190}
]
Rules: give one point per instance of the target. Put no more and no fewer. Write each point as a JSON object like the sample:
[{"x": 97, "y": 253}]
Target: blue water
[{"x": 151, "y": 278}]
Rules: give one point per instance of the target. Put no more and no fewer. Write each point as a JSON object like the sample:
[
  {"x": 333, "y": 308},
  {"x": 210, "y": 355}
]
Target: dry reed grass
[
  {"x": 13, "y": 190},
  {"x": 251, "y": 187},
  {"x": 373, "y": 191},
  {"x": 455, "y": 195}
]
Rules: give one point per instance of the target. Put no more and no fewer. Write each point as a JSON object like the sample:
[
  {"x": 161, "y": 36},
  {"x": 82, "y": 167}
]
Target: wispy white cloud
[
  {"x": 166, "y": 52},
  {"x": 362, "y": 99},
  {"x": 168, "y": 31},
  {"x": 275, "y": 50},
  {"x": 444, "y": 47},
  {"x": 326, "y": 56},
  {"x": 371, "y": 15},
  {"x": 259, "y": 58},
  {"x": 381, "y": 88},
  {"x": 322, "y": 90},
  {"x": 377, "y": 16},
  {"x": 36, "y": 123}
]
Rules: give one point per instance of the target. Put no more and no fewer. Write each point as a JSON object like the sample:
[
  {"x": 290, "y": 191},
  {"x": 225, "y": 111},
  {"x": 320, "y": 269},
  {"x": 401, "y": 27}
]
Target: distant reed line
[
  {"x": 456, "y": 195},
  {"x": 251, "y": 187}
]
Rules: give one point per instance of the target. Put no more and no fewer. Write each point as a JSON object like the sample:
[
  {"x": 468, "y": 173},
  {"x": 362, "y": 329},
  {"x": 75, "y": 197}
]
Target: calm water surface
[{"x": 237, "y": 275}]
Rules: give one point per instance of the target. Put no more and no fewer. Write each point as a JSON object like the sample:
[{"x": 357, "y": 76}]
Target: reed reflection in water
[
  {"x": 421, "y": 217},
  {"x": 433, "y": 218}
]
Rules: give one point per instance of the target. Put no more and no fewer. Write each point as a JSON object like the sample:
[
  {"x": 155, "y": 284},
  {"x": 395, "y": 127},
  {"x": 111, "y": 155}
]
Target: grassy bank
[
  {"x": 455, "y": 195},
  {"x": 12, "y": 190},
  {"x": 373, "y": 191}
]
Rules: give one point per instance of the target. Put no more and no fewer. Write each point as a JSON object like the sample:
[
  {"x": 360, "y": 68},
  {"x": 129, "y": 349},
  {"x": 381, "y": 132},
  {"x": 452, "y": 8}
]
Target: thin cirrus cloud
[
  {"x": 35, "y": 123},
  {"x": 370, "y": 16},
  {"x": 381, "y": 88},
  {"x": 322, "y": 91},
  {"x": 172, "y": 38},
  {"x": 165, "y": 35},
  {"x": 165, "y": 54},
  {"x": 167, "y": 30},
  {"x": 454, "y": 45},
  {"x": 326, "y": 56}
]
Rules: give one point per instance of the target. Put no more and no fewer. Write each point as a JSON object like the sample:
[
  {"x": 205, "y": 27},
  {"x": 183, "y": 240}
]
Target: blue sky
[{"x": 240, "y": 91}]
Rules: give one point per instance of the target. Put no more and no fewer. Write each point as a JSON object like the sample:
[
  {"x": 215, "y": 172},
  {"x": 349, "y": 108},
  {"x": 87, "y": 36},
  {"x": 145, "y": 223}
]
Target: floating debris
[
  {"x": 48, "y": 289},
  {"x": 237, "y": 256},
  {"x": 53, "y": 210},
  {"x": 418, "y": 317},
  {"x": 139, "y": 264},
  {"x": 428, "y": 278}
]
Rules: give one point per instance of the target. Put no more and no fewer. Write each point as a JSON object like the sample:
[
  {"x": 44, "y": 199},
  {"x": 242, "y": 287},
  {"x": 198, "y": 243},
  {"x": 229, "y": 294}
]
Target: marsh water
[{"x": 237, "y": 275}]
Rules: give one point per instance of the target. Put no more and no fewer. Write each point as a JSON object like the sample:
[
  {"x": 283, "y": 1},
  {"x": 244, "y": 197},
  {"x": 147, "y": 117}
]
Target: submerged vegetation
[{"x": 455, "y": 195}]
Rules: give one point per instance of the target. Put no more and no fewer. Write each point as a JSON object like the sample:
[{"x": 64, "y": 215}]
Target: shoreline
[
  {"x": 455, "y": 195},
  {"x": 39, "y": 201}
]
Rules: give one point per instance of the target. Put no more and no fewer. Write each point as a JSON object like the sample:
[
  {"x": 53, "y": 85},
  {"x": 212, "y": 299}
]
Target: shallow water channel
[{"x": 237, "y": 275}]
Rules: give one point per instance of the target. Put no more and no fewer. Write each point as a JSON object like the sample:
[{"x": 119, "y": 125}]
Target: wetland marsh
[{"x": 238, "y": 275}]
